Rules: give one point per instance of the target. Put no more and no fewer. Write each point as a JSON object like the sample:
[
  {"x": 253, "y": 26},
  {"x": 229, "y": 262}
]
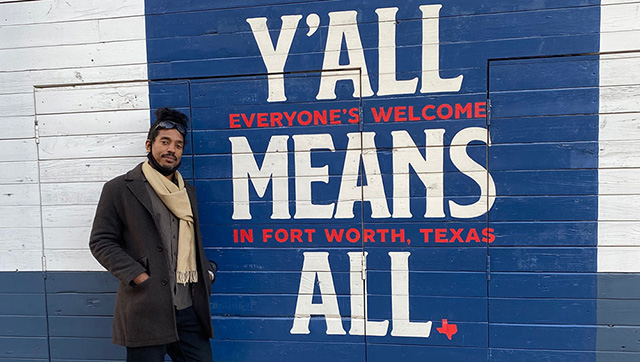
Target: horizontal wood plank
[
  {"x": 66, "y": 56},
  {"x": 19, "y": 195},
  {"x": 110, "y": 145},
  {"x": 68, "y": 215},
  {"x": 19, "y": 172},
  {"x": 47, "y": 11},
  {"x": 618, "y": 259},
  {"x": 86, "y": 170},
  {"x": 66, "y": 237},
  {"x": 72, "y": 260},
  {"x": 76, "y": 193},
  {"x": 92, "y": 98},
  {"x": 20, "y": 238},
  {"x": 120, "y": 121}
]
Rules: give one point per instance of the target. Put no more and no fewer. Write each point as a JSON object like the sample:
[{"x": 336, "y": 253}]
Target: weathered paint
[{"x": 553, "y": 176}]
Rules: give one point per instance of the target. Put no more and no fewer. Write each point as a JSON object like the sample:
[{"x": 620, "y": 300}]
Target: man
[{"x": 146, "y": 234}]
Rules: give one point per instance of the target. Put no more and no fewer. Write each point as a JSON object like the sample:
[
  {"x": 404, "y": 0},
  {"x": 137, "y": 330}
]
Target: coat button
[
  {"x": 164, "y": 282},
  {"x": 159, "y": 248}
]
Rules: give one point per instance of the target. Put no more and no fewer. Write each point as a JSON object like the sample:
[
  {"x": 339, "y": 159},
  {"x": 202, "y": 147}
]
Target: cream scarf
[{"x": 177, "y": 201}]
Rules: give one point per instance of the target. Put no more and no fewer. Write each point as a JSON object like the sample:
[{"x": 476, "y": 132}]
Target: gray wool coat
[{"x": 126, "y": 241}]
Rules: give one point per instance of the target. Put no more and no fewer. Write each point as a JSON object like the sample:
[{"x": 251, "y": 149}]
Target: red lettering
[
  {"x": 234, "y": 120},
  {"x": 262, "y": 120},
  {"x": 296, "y": 235},
  {"x": 309, "y": 118},
  {"x": 249, "y": 121},
  {"x": 334, "y": 116},
  {"x": 443, "y": 115},
  {"x": 456, "y": 235},
  {"x": 441, "y": 236},
  {"x": 426, "y": 233},
  {"x": 460, "y": 110},
  {"x": 290, "y": 118},
  {"x": 424, "y": 112},
  {"x": 276, "y": 118},
  {"x": 480, "y": 109},
  {"x": 399, "y": 114},
  {"x": 320, "y": 116},
  {"x": 310, "y": 234},
  {"x": 397, "y": 234},
  {"x": 383, "y": 234},
  {"x": 472, "y": 235},
  {"x": 489, "y": 236},
  {"x": 412, "y": 116},
  {"x": 334, "y": 235},
  {"x": 355, "y": 114},
  {"x": 266, "y": 234},
  {"x": 281, "y": 235},
  {"x": 246, "y": 235},
  {"x": 353, "y": 235},
  {"x": 382, "y": 115},
  {"x": 368, "y": 236}
]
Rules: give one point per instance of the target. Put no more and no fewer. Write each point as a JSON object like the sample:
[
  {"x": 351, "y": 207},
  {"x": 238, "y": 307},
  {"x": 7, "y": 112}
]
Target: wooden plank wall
[{"x": 50, "y": 175}]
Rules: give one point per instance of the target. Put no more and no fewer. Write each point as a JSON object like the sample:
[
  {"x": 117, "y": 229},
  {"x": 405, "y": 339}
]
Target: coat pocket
[{"x": 144, "y": 261}]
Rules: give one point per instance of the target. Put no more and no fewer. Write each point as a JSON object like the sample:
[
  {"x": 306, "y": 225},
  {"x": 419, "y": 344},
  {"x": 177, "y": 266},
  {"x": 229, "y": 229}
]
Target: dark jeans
[{"x": 193, "y": 345}]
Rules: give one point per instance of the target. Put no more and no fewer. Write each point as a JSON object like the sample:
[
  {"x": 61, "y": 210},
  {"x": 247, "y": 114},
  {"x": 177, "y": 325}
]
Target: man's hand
[{"x": 141, "y": 278}]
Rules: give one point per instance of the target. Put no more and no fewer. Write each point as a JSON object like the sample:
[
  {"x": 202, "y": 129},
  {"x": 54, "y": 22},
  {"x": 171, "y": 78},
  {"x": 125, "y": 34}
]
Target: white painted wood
[
  {"x": 92, "y": 98},
  {"x": 618, "y": 176},
  {"x": 619, "y": 208},
  {"x": 617, "y": 41},
  {"x": 21, "y": 260},
  {"x": 19, "y": 194},
  {"x": 619, "y": 181},
  {"x": 18, "y": 150},
  {"x": 47, "y": 11},
  {"x": 620, "y": 17},
  {"x": 24, "y": 81},
  {"x": 619, "y": 127},
  {"x": 20, "y": 239},
  {"x": 67, "y": 56},
  {"x": 76, "y": 193},
  {"x": 619, "y": 233},
  {"x": 66, "y": 237},
  {"x": 125, "y": 121},
  {"x": 615, "y": 259},
  {"x": 614, "y": 69},
  {"x": 72, "y": 260},
  {"x": 35, "y": 35},
  {"x": 86, "y": 170},
  {"x": 112, "y": 145},
  {"x": 19, "y": 172},
  {"x": 72, "y": 32},
  {"x": 610, "y": 2},
  {"x": 617, "y": 154},
  {"x": 620, "y": 99},
  {"x": 16, "y": 105},
  {"x": 116, "y": 29},
  {"x": 68, "y": 216},
  {"x": 20, "y": 217},
  {"x": 17, "y": 127}
]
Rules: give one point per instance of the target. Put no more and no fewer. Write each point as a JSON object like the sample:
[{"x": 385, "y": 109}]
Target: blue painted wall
[
  {"x": 529, "y": 291},
  {"x": 528, "y": 295}
]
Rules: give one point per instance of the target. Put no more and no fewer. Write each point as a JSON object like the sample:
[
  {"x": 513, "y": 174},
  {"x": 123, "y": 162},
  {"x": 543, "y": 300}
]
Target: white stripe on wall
[
  {"x": 49, "y": 190},
  {"x": 619, "y": 156}
]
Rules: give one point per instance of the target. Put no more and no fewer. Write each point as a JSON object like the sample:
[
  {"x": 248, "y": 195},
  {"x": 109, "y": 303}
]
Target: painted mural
[{"x": 447, "y": 181}]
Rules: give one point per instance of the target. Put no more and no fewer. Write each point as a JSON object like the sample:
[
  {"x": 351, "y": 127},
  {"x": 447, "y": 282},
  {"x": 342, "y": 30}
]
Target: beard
[{"x": 164, "y": 170}]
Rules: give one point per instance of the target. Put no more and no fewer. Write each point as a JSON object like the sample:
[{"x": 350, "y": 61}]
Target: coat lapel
[{"x": 136, "y": 184}]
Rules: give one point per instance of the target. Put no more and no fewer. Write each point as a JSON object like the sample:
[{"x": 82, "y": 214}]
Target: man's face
[{"x": 167, "y": 148}]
